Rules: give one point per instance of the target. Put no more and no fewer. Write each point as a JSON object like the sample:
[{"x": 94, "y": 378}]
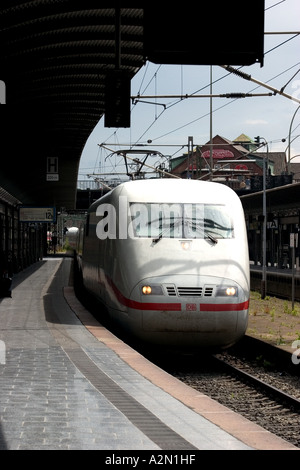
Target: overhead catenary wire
[
  {"x": 206, "y": 114},
  {"x": 180, "y": 99},
  {"x": 193, "y": 94},
  {"x": 158, "y": 117},
  {"x": 218, "y": 108},
  {"x": 275, "y": 5},
  {"x": 284, "y": 86}
]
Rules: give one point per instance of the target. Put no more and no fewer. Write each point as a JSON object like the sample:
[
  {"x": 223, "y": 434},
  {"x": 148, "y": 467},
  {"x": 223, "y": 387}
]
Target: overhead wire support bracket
[{"x": 136, "y": 100}]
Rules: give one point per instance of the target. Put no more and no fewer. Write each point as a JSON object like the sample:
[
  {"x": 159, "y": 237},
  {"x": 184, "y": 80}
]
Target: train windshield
[{"x": 166, "y": 220}]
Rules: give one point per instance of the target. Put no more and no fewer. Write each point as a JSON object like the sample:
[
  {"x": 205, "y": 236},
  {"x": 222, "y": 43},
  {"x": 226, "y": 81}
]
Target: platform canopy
[
  {"x": 64, "y": 64},
  {"x": 54, "y": 58}
]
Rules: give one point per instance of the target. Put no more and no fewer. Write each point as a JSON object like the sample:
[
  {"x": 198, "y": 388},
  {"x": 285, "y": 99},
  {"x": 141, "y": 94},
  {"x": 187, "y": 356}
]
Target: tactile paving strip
[{"x": 143, "y": 419}]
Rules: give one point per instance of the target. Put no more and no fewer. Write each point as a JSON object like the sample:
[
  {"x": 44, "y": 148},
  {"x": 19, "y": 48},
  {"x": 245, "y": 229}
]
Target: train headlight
[
  {"x": 152, "y": 290},
  {"x": 227, "y": 291},
  {"x": 230, "y": 291},
  {"x": 147, "y": 290}
]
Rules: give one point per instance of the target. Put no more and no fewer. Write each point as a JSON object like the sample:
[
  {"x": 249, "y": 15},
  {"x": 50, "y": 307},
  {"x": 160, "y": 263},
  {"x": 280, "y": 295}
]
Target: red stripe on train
[
  {"x": 224, "y": 307},
  {"x": 175, "y": 307}
]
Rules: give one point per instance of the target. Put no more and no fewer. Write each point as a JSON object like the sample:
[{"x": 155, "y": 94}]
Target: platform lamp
[{"x": 264, "y": 237}]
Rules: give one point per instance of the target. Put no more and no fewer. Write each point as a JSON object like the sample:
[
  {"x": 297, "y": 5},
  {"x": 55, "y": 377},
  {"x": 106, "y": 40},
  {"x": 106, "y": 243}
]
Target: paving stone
[{"x": 46, "y": 403}]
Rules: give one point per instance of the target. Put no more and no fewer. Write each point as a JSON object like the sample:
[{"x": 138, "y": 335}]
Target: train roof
[{"x": 175, "y": 189}]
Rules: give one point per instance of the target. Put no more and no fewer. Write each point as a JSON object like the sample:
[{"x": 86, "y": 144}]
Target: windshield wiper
[
  {"x": 216, "y": 225},
  {"x": 202, "y": 230},
  {"x": 211, "y": 238},
  {"x": 191, "y": 224},
  {"x": 169, "y": 227}
]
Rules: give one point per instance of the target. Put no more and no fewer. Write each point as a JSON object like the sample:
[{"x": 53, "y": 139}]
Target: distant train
[
  {"x": 169, "y": 260},
  {"x": 71, "y": 240}
]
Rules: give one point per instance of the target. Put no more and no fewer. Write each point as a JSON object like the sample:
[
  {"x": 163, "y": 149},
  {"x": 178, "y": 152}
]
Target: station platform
[{"x": 66, "y": 383}]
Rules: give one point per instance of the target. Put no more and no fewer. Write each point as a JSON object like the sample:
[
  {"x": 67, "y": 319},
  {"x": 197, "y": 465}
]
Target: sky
[{"x": 168, "y": 123}]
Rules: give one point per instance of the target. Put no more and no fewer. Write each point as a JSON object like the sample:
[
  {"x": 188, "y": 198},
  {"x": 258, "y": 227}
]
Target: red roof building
[{"x": 235, "y": 163}]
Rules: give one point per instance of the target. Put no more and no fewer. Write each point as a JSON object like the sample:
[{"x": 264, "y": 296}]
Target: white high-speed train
[
  {"x": 169, "y": 260},
  {"x": 71, "y": 240}
]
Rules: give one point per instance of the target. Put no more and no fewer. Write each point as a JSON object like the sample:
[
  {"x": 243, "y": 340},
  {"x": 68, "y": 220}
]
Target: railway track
[
  {"x": 268, "y": 389},
  {"x": 254, "y": 379},
  {"x": 265, "y": 392}
]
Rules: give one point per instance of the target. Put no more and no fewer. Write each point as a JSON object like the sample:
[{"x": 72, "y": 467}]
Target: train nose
[
  {"x": 192, "y": 310},
  {"x": 190, "y": 293},
  {"x": 188, "y": 286}
]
